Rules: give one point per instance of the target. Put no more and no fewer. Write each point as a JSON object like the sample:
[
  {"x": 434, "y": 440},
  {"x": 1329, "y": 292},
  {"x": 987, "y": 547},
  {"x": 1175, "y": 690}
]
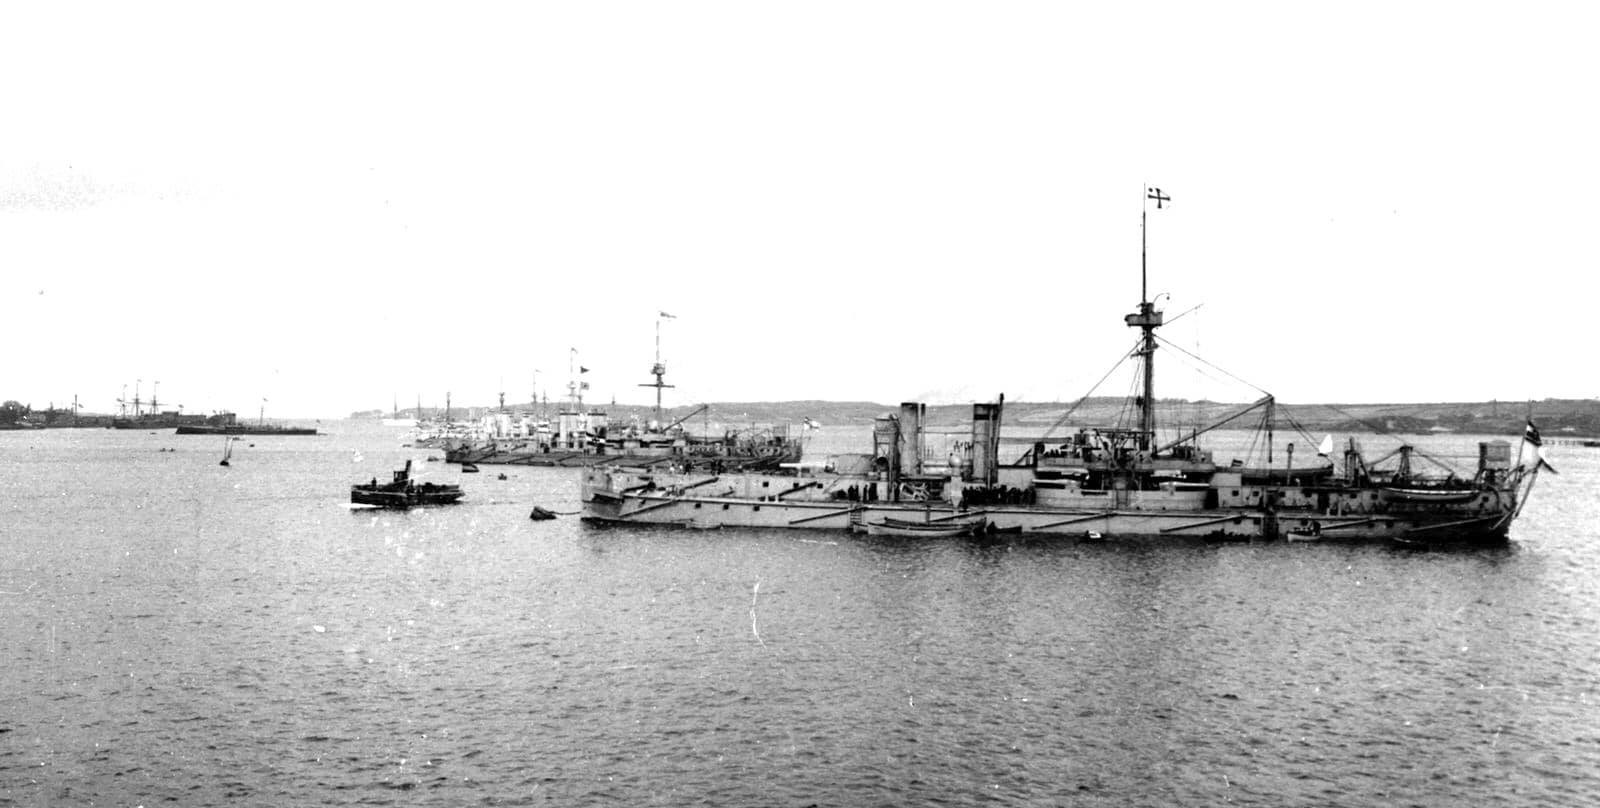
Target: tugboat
[{"x": 403, "y": 492}]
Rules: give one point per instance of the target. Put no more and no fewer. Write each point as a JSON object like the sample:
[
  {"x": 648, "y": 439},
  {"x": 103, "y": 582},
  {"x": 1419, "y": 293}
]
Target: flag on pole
[
  {"x": 1155, "y": 193},
  {"x": 1532, "y": 455},
  {"x": 582, "y": 369},
  {"x": 668, "y": 316}
]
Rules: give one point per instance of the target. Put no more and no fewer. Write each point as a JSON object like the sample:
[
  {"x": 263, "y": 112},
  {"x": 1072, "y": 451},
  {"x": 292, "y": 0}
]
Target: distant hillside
[{"x": 1577, "y": 417}]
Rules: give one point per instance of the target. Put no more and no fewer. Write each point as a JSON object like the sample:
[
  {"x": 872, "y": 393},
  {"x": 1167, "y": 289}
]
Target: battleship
[
  {"x": 1108, "y": 483},
  {"x": 583, "y": 436}
]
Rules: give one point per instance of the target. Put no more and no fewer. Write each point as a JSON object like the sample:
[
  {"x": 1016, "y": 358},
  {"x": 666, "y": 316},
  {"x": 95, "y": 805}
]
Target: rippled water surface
[{"x": 178, "y": 632}]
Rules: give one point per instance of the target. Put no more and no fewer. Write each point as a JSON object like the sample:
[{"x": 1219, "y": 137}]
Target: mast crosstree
[
  {"x": 659, "y": 369},
  {"x": 1148, "y": 319}
]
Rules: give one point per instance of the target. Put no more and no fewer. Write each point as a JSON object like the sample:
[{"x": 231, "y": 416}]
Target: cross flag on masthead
[{"x": 1155, "y": 193}]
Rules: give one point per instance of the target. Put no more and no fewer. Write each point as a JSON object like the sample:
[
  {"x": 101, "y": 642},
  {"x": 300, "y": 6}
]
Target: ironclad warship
[
  {"x": 583, "y": 436},
  {"x": 1098, "y": 484},
  {"x": 228, "y": 423}
]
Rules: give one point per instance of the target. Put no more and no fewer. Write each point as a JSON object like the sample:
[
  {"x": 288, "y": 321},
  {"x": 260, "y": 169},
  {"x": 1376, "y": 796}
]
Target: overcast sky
[{"x": 331, "y": 205}]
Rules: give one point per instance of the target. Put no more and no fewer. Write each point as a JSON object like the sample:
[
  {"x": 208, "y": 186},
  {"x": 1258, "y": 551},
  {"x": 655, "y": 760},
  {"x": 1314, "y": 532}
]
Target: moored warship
[
  {"x": 228, "y": 423},
  {"x": 581, "y": 436},
  {"x": 1098, "y": 484},
  {"x": 148, "y": 414}
]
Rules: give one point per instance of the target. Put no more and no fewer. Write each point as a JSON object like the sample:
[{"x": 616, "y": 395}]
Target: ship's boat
[
  {"x": 920, "y": 530},
  {"x": 1434, "y": 495},
  {"x": 404, "y": 492}
]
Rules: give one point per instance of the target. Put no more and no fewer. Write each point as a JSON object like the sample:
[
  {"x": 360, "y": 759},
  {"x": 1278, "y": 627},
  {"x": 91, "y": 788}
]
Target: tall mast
[
  {"x": 572, "y": 382},
  {"x": 1147, "y": 319},
  {"x": 659, "y": 370}
]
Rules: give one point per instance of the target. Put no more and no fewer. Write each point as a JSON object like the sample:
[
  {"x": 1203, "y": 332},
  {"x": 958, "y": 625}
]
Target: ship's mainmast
[
  {"x": 659, "y": 370},
  {"x": 1148, "y": 320}
]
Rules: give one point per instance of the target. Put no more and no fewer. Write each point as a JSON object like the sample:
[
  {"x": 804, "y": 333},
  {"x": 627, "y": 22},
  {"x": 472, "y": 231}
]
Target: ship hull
[
  {"x": 711, "y": 512},
  {"x": 157, "y": 422},
  {"x": 245, "y": 430},
  {"x": 362, "y": 495},
  {"x": 694, "y": 501},
  {"x": 620, "y": 457}
]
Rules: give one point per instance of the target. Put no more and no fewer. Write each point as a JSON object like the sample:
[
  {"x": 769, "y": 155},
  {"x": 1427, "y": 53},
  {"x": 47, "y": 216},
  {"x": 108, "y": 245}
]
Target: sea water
[{"x": 177, "y": 632}]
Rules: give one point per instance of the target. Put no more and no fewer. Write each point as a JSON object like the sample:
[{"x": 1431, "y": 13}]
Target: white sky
[{"x": 332, "y": 204}]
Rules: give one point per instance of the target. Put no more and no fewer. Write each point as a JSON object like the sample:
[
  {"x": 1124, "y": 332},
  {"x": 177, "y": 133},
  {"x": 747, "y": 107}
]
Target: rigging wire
[
  {"x": 1174, "y": 346},
  {"x": 1311, "y": 439},
  {"x": 1296, "y": 424},
  {"x": 1388, "y": 434},
  {"x": 1126, "y": 413},
  {"x": 1362, "y": 421},
  {"x": 1255, "y": 437},
  {"x": 1085, "y": 397},
  {"x": 1199, "y": 371}
]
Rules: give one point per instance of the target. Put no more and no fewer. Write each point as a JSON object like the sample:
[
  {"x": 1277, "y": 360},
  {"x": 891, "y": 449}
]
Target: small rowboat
[
  {"x": 1429, "y": 494},
  {"x": 891, "y": 526},
  {"x": 918, "y": 530}
]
